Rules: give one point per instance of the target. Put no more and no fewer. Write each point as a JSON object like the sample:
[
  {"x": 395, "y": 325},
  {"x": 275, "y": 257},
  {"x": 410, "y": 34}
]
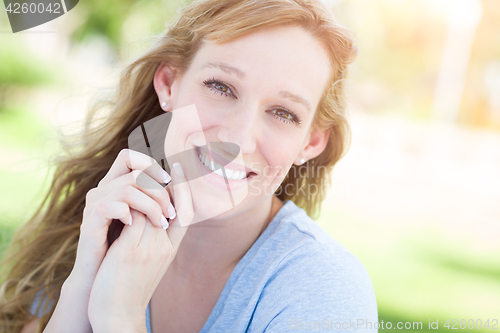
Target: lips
[
  {"x": 219, "y": 170},
  {"x": 231, "y": 168}
]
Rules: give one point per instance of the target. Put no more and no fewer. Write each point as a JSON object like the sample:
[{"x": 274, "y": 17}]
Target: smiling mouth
[{"x": 218, "y": 169}]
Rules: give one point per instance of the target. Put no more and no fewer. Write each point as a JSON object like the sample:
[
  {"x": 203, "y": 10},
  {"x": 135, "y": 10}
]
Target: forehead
[{"x": 288, "y": 56}]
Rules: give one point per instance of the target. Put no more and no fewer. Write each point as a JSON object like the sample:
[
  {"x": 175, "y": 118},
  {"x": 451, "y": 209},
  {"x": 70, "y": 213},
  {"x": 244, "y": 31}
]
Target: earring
[
  {"x": 163, "y": 105},
  {"x": 302, "y": 161}
]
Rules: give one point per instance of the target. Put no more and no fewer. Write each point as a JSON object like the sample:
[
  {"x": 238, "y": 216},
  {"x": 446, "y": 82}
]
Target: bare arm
[
  {"x": 112, "y": 199},
  {"x": 71, "y": 312}
]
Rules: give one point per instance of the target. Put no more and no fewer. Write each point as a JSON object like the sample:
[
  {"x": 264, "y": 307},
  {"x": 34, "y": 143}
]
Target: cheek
[
  {"x": 278, "y": 156},
  {"x": 184, "y": 130},
  {"x": 279, "y": 150},
  {"x": 211, "y": 107},
  {"x": 209, "y": 112},
  {"x": 280, "y": 146}
]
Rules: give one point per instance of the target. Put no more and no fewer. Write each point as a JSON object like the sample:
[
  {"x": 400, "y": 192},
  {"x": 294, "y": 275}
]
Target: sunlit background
[{"x": 416, "y": 199}]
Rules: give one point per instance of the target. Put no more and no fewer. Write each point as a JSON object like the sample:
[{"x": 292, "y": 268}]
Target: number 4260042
[
  {"x": 471, "y": 323},
  {"x": 17, "y": 8}
]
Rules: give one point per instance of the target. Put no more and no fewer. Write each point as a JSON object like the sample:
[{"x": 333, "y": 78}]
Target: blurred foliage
[
  {"x": 104, "y": 18},
  {"x": 24, "y": 173},
  {"x": 21, "y": 129},
  {"x": 118, "y": 20},
  {"x": 18, "y": 67},
  {"x": 418, "y": 273},
  {"x": 21, "y": 68},
  {"x": 401, "y": 44}
]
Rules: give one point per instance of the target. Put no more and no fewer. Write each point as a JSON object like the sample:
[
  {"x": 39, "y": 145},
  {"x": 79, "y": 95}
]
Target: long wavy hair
[{"x": 43, "y": 252}]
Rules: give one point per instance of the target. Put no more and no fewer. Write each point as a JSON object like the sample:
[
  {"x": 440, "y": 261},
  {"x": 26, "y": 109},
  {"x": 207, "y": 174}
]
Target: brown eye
[
  {"x": 221, "y": 87},
  {"x": 284, "y": 114}
]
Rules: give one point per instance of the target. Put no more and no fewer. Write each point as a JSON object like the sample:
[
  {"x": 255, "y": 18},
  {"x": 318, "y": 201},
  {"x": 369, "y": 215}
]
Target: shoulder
[
  {"x": 316, "y": 278},
  {"x": 303, "y": 243}
]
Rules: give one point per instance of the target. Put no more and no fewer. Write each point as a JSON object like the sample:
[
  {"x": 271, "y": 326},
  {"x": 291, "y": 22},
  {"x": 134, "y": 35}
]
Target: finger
[
  {"x": 141, "y": 202},
  {"x": 157, "y": 192},
  {"x": 183, "y": 204},
  {"x": 156, "y": 244},
  {"x": 105, "y": 211},
  {"x": 128, "y": 160},
  {"x": 151, "y": 234},
  {"x": 131, "y": 235},
  {"x": 176, "y": 232},
  {"x": 154, "y": 190}
]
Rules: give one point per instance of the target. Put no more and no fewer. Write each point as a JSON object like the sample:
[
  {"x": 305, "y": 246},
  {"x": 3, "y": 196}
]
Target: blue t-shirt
[{"x": 294, "y": 277}]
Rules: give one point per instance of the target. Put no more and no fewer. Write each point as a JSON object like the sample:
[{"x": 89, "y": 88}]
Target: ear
[
  {"x": 315, "y": 143},
  {"x": 163, "y": 80}
]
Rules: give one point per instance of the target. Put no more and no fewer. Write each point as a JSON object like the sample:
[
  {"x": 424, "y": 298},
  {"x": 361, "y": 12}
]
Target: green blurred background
[{"x": 417, "y": 198}]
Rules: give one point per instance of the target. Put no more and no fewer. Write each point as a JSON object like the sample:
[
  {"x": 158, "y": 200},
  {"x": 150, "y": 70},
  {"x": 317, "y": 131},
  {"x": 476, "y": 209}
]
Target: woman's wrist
[
  {"x": 76, "y": 280},
  {"x": 77, "y": 286},
  {"x": 71, "y": 312},
  {"x": 120, "y": 325}
]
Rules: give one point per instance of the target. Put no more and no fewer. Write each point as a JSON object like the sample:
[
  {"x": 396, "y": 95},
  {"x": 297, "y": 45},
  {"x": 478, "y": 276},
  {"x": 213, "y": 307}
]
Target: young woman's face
[{"x": 259, "y": 93}]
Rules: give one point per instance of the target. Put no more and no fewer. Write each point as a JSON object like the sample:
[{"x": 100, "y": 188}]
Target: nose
[{"x": 240, "y": 127}]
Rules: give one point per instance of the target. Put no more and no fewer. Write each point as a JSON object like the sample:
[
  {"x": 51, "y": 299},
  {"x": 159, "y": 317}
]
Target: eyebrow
[
  {"x": 296, "y": 98},
  {"x": 226, "y": 68},
  {"x": 241, "y": 75}
]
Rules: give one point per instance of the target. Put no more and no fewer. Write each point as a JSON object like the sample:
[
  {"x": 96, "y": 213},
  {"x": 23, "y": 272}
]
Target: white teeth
[
  {"x": 217, "y": 169},
  {"x": 238, "y": 175},
  {"x": 218, "y": 172}
]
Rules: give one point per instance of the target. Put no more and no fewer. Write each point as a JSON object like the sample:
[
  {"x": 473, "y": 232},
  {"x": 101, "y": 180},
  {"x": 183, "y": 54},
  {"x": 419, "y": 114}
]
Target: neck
[{"x": 212, "y": 248}]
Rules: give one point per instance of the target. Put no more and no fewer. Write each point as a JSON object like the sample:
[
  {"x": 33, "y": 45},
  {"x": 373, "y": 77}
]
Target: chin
[
  {"x": 210, "y": 206},
  {"x": 210, "y": 202}
]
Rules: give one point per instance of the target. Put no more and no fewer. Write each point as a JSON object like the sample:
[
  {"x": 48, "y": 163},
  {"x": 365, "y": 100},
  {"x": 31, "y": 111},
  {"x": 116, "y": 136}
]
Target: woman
[{"x": 238, "y": 254}]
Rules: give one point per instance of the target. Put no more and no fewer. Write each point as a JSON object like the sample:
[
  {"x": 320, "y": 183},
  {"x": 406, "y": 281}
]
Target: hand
[
  {"x": 135, "y": 263},
  {"x": 112, "y": 199}
]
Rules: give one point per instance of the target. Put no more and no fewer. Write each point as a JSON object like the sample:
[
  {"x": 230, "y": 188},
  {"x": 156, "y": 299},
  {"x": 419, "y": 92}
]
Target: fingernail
[
  {"x": 178, "y": 169},
  {"x": 130, "y": 220},
  {"x": 171, "y": 211},
  {"x": 164, "y": 222},
  {"x": 164, "y": 176}
]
